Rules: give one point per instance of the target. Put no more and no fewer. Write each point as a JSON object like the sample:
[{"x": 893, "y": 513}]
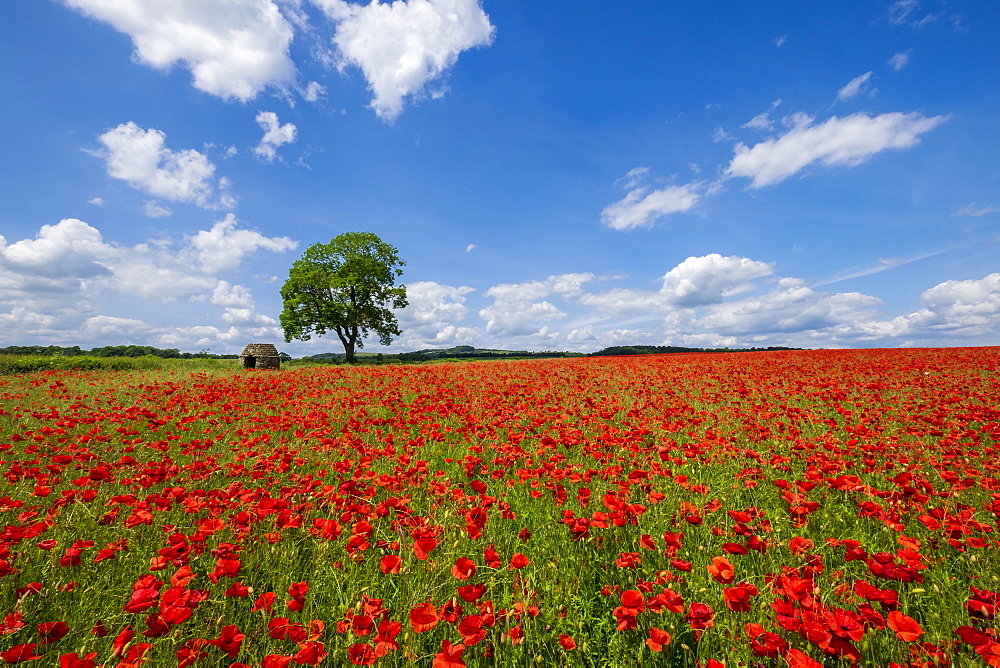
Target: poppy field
[{"x": 799, "y": 508}]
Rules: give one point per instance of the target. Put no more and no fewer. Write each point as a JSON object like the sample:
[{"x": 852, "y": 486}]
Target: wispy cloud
[
  {"x": 884, "y": 264},
  {"x": 900, "y": 59},
  {"x": 762, "y": 121},
  {"x": 854, "y": 87},
  {"x": 972, "y": 209},
  {"x": 908, "y": 12}
]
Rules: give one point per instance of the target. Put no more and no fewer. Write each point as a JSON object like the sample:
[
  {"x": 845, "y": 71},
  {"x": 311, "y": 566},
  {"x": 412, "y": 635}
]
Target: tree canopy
[{"x": 347, "y": 286}]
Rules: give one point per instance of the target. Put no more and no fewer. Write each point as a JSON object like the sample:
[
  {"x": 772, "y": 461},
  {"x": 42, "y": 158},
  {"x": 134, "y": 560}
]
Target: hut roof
[{"x": 260, "y": 350}]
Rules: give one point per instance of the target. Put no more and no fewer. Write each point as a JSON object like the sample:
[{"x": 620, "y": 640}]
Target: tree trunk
[{"x": 348, "y": 339}]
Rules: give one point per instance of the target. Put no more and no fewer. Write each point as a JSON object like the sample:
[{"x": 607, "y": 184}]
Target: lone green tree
[{"x": 347, "y": 286}]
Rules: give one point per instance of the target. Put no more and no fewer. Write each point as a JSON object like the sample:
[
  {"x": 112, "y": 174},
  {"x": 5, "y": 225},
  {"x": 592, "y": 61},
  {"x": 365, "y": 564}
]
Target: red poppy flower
[
  {"x": 800, "y": 545},
  {"x": 450, "y": 611},
  {"x": 134, "y": 657},
  {"x": 845, "y": 624},
  {"x": 668, "y": 600},
  {"x": 362, "y": 625},
  {"x": 237, "y": 590},
  {"x": 279, "y": 627},
  {"x": 450, "y": 656},
  {"x": 735, "y": 548},
  {"x": 983, "y": 603},
  {"x": 190, "y": 653},
  {"x": 700, "y": 616},
  {"x": 311, "y": 654},
  {"x": 463, "y": 569},
  {"x": 385, "y": 639},
  {"x": 19, "y": 653},
  {"x": 721, "y": 570},
  {"x": 361, "y": 654},
  {"x": 143, "y": 599},
  {"x": 423, "y": 617},
  {"x": 472, "y": 630},
  {"x": 681, "y": 565},
  {"x": 73, "y": 660},
  {"x": 264, "y": 602},
  {"x": 229, "y": 641},
  {"x": 492, "y": 557},
  {"x": 632, "y": 598},
  {"x": 628, "y": 560},
  {"x": 973, "y": 636},
  {"x": 796, "y": 658},
  {"x": 121, "y": 640},
  {"x": 657, "y": 639},
  {"x": 470, "y": 593},
  {"x": 738, "y": 598},
  {"x": 626, "y": 618},
  {"x": 906, "y": 628},
  {"x": 390, "y": 563},
  {"x": 422, "y": 547},
  {"x": 567, "y": 642},
  {"x": 51, "y": 632},
  {"x": 519, "y": 561}
]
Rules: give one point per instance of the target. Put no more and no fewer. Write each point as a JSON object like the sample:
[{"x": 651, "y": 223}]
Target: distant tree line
[
  {"x": 456, "y": 352},
  {"x": 660, "y": 350},
  {"x": 111, "y": 351}
]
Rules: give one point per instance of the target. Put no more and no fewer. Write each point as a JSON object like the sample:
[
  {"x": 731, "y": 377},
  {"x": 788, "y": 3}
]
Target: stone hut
[{"x": 260, "y": 356}]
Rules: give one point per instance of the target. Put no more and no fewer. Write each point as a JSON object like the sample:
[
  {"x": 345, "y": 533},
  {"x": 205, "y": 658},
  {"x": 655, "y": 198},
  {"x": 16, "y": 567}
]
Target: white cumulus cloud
[
  {"x": 845, "y": 141},
  {"x": 434, "y": 304},
  {"x": 65, "y": 284},
  {"x": 404, "y": 46},
  {"x": 642, "y": 207},
  {"x": 275, "y": 135},
  {"x": 233, "y": 48},
  {"x": 711, "y": 278},
  {"x": 791, "y": 308},
  {"x": 520, "y": 309},
  {"x": 223, "y": 247},
  {"x": 141, "y": 158}
]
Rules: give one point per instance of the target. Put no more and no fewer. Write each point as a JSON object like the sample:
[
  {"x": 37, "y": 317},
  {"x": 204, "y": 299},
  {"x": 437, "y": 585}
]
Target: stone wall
[{"x": 260, "y": 356}]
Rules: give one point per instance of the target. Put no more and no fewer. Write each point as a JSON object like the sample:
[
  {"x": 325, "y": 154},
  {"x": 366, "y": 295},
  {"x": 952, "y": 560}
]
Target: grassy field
[{"x": 775, "y": 508}]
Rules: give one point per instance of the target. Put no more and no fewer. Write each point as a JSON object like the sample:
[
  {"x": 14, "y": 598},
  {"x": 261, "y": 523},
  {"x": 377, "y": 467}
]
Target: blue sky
[{"x": 557, "y": 175}]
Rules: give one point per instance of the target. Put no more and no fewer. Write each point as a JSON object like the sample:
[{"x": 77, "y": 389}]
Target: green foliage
[
  {"x": 21, "y": 364},
  {"x": 438, "y": 354},
  {"x": 110, "y": 351},
  {"x": 18, "y": 364},
  {"x": 347, "y": 286}
]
